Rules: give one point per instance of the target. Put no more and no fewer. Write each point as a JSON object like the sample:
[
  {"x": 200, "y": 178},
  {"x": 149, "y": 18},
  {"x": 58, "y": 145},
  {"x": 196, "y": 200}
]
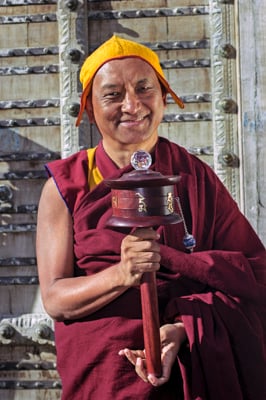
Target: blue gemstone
[{"x": 189, "y": 241}]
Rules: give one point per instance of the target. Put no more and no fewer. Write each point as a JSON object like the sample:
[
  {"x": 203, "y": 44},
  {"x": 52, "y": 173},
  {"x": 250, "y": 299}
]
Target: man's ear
[
  {"x": 164, "y": 99},
  {"x": 164, "y": 94},
  {"x": 89, "y": 109}
]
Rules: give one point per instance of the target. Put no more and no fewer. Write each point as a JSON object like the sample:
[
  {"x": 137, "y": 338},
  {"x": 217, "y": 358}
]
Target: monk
[{"x": 211, "y": 289}]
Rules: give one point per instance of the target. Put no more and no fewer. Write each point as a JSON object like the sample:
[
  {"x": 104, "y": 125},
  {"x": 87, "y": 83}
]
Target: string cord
[{"x": 188, "y": 240}]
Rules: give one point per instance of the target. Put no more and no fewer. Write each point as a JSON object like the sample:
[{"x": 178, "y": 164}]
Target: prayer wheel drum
[
  {"x": 142, "y": 199},
  {"x": 145, "y": 198}
]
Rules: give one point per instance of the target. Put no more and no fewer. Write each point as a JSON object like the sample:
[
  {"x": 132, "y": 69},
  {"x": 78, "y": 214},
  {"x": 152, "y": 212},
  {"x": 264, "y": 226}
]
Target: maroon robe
[{"x": 219, "y": 290}]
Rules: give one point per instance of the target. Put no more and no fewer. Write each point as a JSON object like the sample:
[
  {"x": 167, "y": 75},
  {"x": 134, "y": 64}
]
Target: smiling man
[
  {"x": 127, "y": 107},
  {"x": 211, "y": 291}
]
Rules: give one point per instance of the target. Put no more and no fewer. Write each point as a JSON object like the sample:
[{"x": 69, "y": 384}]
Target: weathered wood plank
[{"x": 252, "y": 76}]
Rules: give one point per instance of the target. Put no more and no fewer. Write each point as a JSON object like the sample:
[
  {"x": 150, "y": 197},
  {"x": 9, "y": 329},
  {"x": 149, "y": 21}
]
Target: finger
[
  {"x": 146, "y": 233},
  {"x": 131, "y": 355},
  {"x": 167, "y": 362},
  {"x": 157, "y": 381},
  {"x": 139, "y": 246},
  {"x": 137, "y": 358},
  {"x": 140, "y": 369}
]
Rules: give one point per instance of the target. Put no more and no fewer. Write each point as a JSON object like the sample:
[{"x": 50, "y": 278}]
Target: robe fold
[{"x": 219, "y": 290}]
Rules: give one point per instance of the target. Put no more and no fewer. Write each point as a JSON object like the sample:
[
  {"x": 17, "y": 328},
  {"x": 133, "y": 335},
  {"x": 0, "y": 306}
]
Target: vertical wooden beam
[
  {"x": 252, "y": 120},
  {"x": 73, "y": 45},
  {"x": 224, "y": 101}
]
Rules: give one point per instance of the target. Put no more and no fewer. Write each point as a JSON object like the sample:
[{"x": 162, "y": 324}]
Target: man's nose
[{"x": 131, "y": 103}]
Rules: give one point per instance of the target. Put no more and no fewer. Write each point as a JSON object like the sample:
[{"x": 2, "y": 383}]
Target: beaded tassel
[{"x": 188, "y": 240}]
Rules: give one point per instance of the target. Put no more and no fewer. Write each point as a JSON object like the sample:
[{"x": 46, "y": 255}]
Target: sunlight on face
[{"x": 127, "y": 104}]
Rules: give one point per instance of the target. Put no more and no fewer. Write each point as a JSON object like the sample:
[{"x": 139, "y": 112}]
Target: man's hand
[
  {"x": 140, "y": 252},
  {"x": 172, "y": 337}
]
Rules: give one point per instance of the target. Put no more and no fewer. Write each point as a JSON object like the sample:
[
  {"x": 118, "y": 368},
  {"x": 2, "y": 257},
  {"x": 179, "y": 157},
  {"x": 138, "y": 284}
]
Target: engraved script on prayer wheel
[{"x": 144, "y": 198}]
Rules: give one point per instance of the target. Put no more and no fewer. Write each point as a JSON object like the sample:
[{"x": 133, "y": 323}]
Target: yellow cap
[{"x": 113, "y": 49}]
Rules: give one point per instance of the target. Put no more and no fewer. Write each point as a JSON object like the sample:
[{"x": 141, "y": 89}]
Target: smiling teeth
[{"x": 135, "y": 120}]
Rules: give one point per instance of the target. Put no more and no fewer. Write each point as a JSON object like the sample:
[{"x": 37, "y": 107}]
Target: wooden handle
[{"x": 151, "y": 324}]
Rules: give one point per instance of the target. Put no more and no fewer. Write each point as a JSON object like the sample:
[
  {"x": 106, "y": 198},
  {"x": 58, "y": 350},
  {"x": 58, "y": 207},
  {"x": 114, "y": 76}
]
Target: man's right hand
[{"x": 140, "y": 252}]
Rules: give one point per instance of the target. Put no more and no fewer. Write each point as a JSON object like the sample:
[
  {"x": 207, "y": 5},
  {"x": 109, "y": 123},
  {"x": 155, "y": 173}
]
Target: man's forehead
[{"x": 130, "y": 69}]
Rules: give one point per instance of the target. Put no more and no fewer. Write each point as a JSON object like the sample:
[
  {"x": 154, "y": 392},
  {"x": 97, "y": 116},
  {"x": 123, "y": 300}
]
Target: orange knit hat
[{"x": 113, "y": 49}]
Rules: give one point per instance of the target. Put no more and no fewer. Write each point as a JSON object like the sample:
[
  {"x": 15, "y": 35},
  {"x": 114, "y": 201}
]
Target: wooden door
[
  {"x": 201, "y": 45},
  {"x": 29, "y": 137}
]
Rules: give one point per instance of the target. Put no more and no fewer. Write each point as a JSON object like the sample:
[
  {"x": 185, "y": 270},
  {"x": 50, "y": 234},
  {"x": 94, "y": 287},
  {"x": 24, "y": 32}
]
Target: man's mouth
[{"x": 133, "y": 120}]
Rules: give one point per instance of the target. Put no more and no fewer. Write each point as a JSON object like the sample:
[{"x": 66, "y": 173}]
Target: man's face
[{"x": 126, "y": 104}]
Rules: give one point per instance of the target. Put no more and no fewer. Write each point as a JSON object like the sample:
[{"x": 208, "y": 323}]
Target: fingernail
[{"x": 151, "y": 379}]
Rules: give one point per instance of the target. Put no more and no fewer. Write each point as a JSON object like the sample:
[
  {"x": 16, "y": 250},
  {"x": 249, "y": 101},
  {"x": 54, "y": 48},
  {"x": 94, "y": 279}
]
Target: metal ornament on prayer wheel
[{"x": 145, "y": 198}]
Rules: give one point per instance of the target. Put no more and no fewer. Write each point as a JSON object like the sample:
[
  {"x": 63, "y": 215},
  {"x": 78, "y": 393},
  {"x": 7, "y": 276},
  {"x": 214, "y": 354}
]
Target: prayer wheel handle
[{"x": 151, "y": 323}]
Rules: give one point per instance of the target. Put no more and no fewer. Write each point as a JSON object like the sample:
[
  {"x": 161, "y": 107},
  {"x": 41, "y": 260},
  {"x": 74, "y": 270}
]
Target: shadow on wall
[{"x": 101, "y": 27}]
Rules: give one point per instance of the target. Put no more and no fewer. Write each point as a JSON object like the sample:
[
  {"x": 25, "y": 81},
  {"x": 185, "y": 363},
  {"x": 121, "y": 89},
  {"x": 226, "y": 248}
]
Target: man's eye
[
  {"x": 112, "y": 94},
  {"x": 144, "y": 88}
]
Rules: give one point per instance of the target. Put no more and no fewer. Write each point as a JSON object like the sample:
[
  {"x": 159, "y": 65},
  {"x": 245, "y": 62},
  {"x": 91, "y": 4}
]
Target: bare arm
[{"x": 68, "y": 297}]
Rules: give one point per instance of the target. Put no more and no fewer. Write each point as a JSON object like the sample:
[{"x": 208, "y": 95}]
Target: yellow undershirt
[{"x": 94, "y": 175}]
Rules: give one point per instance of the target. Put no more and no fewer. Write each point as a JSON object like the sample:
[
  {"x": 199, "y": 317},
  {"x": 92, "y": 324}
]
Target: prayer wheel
[{"x": 145, "y": 198}]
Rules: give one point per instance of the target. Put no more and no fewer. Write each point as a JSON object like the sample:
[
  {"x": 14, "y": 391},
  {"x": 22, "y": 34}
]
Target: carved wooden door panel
[
  {"x": 42, "y": 46},
  {"x": 29, "y": 137}
]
